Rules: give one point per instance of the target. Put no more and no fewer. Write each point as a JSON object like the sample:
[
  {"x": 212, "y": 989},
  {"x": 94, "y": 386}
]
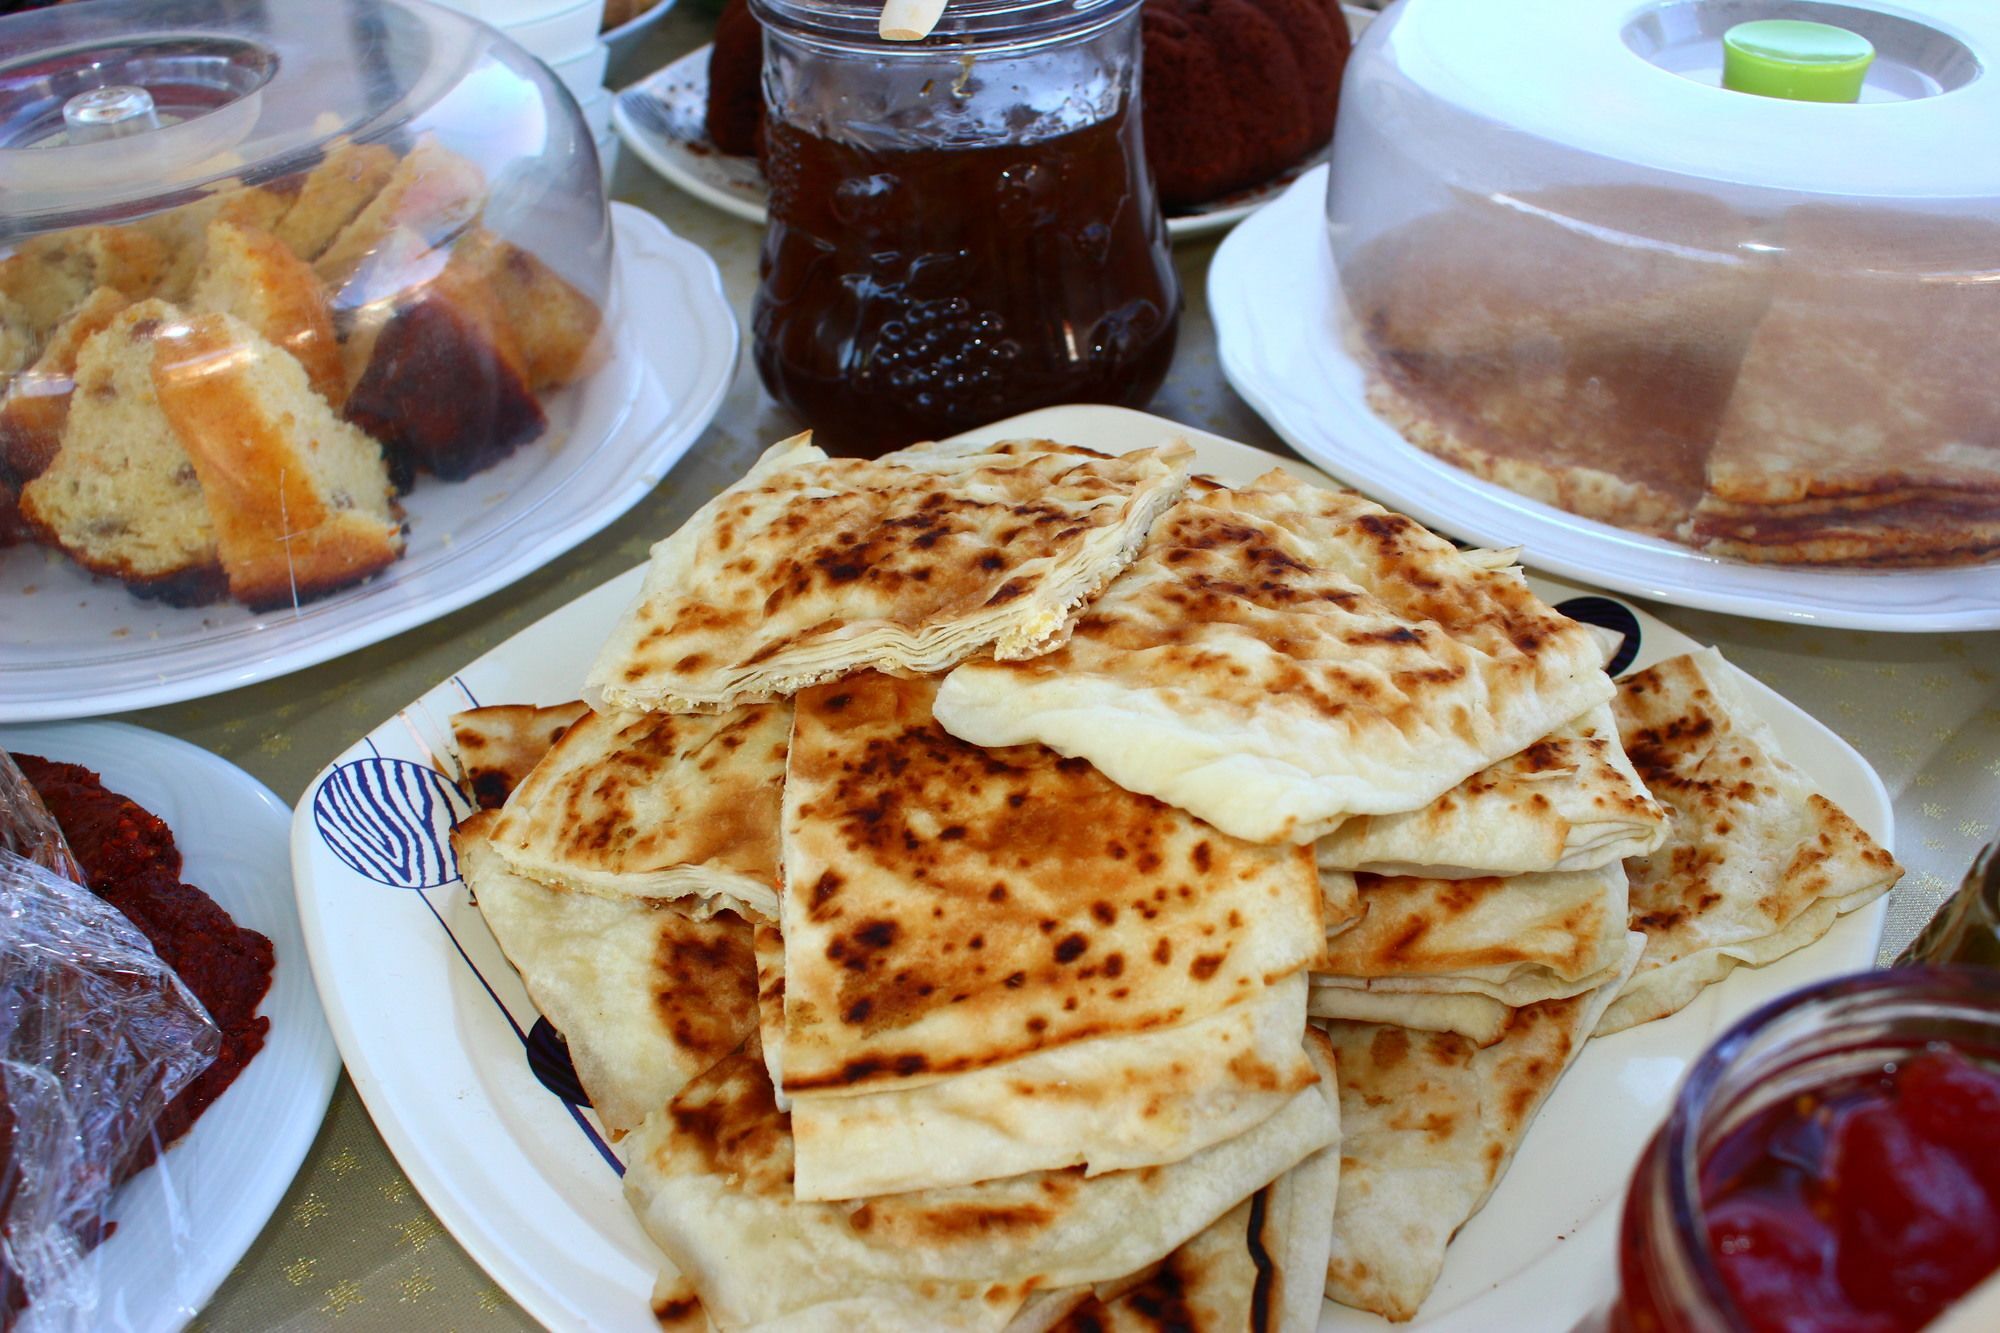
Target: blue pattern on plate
[
  {"x": 548, "y": 1058},
  {"x": 1608, "y": 614},
  {"x": 390, "y": 820}
]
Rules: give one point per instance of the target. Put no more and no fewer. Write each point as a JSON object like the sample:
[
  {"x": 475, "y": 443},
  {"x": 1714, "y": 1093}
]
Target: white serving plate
[
  {"x": 433, "y": 1022},
  {"x": 664, "y": 119},
  {"x": 229, "y": 1173},
  {"x": 74, "y": 646},
  {"x": 1272, "y": 293}
]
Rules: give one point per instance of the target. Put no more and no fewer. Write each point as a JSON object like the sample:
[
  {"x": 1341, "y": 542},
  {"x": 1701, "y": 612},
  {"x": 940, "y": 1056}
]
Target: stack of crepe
[
  {"x": 1805, "y": 389},
  {"x": 1864, "y": 424},
  {"x": 928, "y": 894}
]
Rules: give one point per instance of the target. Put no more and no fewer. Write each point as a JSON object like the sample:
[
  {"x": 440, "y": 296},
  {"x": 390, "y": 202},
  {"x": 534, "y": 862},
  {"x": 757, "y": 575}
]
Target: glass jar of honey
[
  {"x": 1832, "y": 1163},
  {"x": 961, "y": 228}
]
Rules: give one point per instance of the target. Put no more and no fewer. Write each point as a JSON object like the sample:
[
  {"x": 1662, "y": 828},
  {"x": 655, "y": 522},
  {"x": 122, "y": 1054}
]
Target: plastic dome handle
[{"x": 1797, "y": 60}]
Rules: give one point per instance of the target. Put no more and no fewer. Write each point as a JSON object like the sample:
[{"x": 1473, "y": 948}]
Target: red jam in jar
[
  {"x": 1832, "y": 1165},
  {"x": 1869, "y": 1205}
]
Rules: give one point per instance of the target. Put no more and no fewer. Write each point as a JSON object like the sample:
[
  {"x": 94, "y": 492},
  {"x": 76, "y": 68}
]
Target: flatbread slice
[
  {"x": 950, "y": 908},
  {"x": 710, "y": 1177},
  {"x": 811, "y": 567},
  {"x": 1865, "y": 423},
  {"x": 1429, "y": 1123},
  {"x": 1613, "y": 431},
  {"x": 1569, "y": 266},
  {"x": 1570, "y": 801},
  {"x": 657, "y": 806},
  {"x": 1107, "y": 1104},
  {"x": 1259, "y": 1268},
  {"x": 1283, "y": 657},
  {"x": 1478, "y": 1018},
  {"x": 1759, "y": 862},
  {"x": 645, "y": 997},
  {"x": 498, "y": 745},
  {"x": 769, "y": 947},
  {"x": 1575, "y": 344},
  {"x": 1515, "y": 940}
]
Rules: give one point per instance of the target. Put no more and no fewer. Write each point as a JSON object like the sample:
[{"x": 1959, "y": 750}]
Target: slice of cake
[
  {"x": 299, "y": 499},
  {"x": 182, "y": 233},
  {"x": 554, "y": 323},
  {"x": 37, "y": 401},
  {"x": 48, "y": 276},
  {"x": 438, "y": 374},
  {"x": 331, "y": 194},
  {"x": 122, "y": 497},
  {"x": 17, "y": 340},
  {"x": 433, "y": 192},
  {"x": 252, "y": 275}
]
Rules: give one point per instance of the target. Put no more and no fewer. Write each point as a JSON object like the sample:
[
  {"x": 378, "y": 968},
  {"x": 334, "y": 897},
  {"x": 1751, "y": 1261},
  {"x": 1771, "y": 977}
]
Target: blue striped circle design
[{"x": 390, "y": 820}]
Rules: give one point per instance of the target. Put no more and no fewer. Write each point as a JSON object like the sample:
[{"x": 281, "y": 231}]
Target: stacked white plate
[{"x": 562, "y": 34}]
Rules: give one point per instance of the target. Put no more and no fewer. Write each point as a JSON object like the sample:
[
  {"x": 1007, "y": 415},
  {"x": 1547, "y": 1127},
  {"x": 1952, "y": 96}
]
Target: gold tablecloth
[{"x": 353, "y": 1246}]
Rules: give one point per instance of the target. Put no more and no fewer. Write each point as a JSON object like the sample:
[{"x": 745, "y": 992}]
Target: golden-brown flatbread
[
  {"x": 1530, "y": 272},
  {"x": 1429, "y": 1123},
  {"x": 1480, "y": 1019},
  {"x": 810, "y": 568},
  {"x": 1617, "y": 432},
  {"x": 1516, "y": 940},
  {"x": 1864, "y": 426},
  {"x": 645, "y": 997},
  {"x": 1570, "y": 801},
  {"x": 1282, "y": 657},
  {"x": 1574, "y": 344},
  {"x": 1110, "y": 1103},
  {"x": 1259, "y": 1268},
  {"x": 657, "y": 806},
  {"x": 710, "y": 1177},
  {"x": 949, "y": 908},
  {"x": 1759, "y": 861},
  {"x": 498, "y": 745}
]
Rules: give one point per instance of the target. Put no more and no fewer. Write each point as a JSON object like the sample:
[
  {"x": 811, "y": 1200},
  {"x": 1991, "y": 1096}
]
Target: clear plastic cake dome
[
  {"x": 1577, "y": 265},
  {"x": 267, "y": 272}
]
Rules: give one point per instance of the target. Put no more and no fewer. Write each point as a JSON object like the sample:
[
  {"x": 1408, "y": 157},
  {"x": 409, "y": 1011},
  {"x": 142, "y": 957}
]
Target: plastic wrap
[
  {"x": 28, "y": 829},
  {"x": 97, "y": 1035}
]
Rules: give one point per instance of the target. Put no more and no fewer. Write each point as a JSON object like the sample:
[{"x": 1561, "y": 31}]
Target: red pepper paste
[
  {"x": 1866, "y": 1207},
  {"x": 128, "y": 855}
]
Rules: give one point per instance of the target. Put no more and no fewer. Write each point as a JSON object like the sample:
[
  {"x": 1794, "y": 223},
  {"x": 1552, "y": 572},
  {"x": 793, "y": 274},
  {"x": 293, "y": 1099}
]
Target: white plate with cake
[
  {"x": 77, "y": 645},
  {"x": 1274, "y": 292},
  {"x": 458, "y": 1069}
]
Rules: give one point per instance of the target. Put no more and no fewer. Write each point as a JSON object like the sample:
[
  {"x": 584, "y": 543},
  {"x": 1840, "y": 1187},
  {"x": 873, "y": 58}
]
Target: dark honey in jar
[{"x": 960, "y": 229}]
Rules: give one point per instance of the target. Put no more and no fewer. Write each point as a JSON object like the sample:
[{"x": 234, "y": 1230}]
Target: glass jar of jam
[
  {"x": 1831, "y": 1164},
  {"x": 961, "y": 228}
]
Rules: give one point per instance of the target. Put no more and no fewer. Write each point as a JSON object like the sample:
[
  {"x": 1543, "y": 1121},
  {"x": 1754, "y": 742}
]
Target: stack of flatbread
[
  {"x": 928, "y": 892},
  {"x": 1864, "y": 424},
  {"x": 1806, "y": 389}
]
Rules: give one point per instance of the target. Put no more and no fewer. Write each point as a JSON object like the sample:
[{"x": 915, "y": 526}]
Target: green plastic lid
[{"x": 1806, "y": 62}]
